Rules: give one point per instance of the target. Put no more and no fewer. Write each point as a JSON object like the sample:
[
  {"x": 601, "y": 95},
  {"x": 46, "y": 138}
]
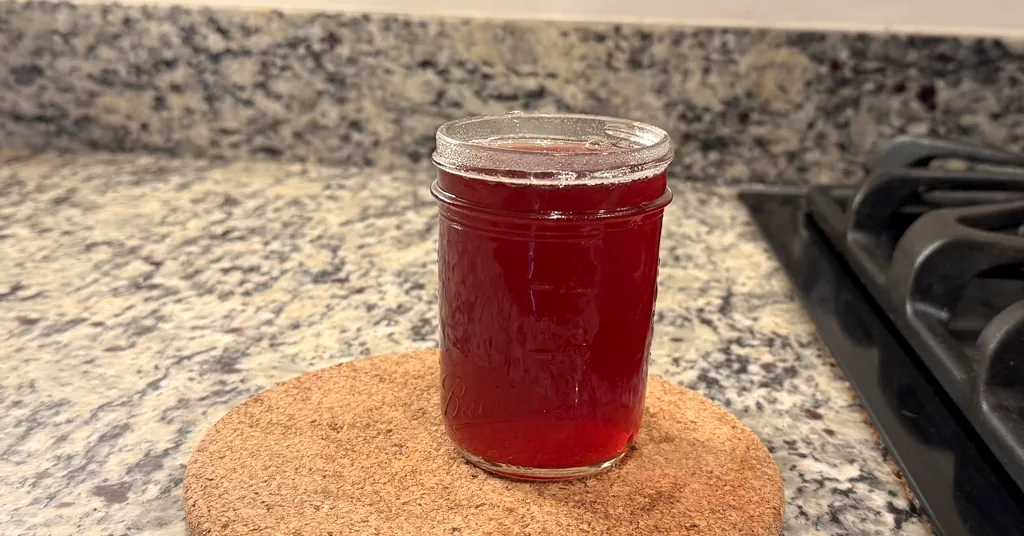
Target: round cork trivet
[{"x": 360, "y": 449}]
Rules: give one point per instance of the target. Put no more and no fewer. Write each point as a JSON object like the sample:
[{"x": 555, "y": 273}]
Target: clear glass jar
[{"x": 548, "y": 262}]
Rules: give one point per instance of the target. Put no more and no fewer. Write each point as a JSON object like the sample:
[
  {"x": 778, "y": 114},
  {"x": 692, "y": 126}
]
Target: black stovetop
[{"x": 915, "y": 280}]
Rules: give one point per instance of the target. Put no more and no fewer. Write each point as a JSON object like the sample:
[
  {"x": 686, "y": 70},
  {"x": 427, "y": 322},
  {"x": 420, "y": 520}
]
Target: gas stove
[{"x": 915, "y": 281}]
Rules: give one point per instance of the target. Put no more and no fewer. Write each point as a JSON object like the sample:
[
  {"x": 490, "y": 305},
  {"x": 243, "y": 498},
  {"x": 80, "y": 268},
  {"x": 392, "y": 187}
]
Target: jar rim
[{"x": 523, "y": 147}]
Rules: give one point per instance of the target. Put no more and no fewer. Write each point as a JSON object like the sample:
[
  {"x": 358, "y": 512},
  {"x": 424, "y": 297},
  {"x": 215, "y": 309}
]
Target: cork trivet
[{"x": 360, "y": 449}]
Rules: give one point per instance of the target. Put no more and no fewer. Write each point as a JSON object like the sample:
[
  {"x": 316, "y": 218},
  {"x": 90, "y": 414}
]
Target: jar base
[{"x": 539, "y": 474}]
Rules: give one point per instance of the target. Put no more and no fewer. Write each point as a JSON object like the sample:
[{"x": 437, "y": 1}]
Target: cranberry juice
[{"x": 547, "y": 298}]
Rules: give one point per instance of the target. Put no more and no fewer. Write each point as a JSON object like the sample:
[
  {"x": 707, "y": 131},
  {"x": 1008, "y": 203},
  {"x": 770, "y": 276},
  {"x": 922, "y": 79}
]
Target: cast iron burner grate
[
  {"x": 915, "y": 281},
  {"x": 942, "y": 252}
]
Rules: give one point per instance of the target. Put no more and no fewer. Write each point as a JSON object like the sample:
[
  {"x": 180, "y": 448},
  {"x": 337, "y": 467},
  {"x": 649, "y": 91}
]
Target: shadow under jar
[{"x": 548, "y": 261}]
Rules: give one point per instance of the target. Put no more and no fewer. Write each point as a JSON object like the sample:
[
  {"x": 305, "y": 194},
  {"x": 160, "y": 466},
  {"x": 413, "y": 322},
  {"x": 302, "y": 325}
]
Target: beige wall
[{"x": 977, "y": 17}]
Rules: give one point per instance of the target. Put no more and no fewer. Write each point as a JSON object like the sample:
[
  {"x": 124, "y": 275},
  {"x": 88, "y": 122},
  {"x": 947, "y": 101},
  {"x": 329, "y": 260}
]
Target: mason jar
[{"x": 550, "y": 226}]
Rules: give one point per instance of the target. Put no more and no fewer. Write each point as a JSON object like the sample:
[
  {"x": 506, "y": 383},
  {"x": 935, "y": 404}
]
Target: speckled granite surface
[
  {"x": 142, "y": 297},
  {"x": 743, "y": 105}
]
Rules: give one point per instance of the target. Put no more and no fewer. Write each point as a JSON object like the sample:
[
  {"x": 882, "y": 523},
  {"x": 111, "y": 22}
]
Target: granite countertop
[
  {"x": 742, "y": 105},
  {"x": 143, "y": 297}
]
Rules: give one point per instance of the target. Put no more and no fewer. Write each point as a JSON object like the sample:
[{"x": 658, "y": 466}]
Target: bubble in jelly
[{"x": 597, "y": 143}]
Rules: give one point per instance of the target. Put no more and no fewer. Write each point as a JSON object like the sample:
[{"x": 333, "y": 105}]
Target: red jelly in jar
[{"x": 548, "y": 262}]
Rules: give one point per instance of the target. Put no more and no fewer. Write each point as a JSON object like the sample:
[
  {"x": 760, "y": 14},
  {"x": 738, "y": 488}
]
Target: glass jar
[{"x": 548, "y": 261}]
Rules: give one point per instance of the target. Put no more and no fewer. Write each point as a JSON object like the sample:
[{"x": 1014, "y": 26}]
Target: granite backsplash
[{"x": 768, "y": 106}]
